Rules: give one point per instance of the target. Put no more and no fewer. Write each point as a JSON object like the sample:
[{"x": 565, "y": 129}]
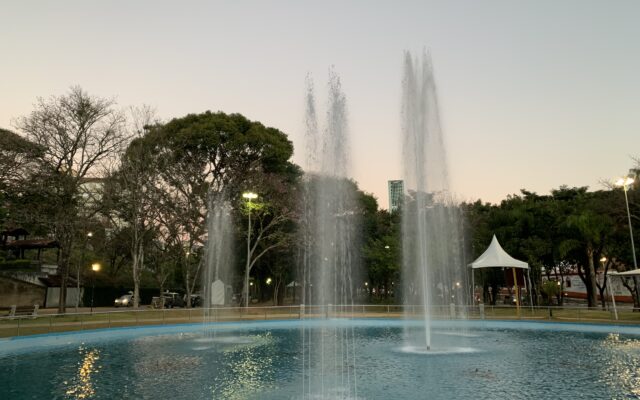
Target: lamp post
[
  {"x": 249, "y": 196},
  {"x": 95, "y": 267},
  {"x": 88, "y": 236},
  {"x": 625, "y": 182}
]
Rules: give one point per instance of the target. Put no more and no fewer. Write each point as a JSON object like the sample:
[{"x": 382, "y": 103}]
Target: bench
[{"x": 15, "y": 311}]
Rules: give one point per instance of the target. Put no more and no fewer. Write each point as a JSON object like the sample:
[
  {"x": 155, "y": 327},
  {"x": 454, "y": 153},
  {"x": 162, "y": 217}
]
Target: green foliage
[
  {"x": 550, "y": 288},
  {"x": 569, "y": 227},
  {"x": 15, "y": 265},
  {"x": 381, "y": 250}
]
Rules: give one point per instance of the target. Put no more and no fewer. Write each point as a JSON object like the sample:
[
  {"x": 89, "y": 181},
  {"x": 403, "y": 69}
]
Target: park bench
[{"x": 15, "y": 311}]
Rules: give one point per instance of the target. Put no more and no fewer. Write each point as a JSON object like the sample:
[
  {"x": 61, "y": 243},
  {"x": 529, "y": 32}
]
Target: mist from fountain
[
  {"x": 330, "y": 226},
  {"x": 433, "y": 264},
  {"x": 217, "y": 275}
]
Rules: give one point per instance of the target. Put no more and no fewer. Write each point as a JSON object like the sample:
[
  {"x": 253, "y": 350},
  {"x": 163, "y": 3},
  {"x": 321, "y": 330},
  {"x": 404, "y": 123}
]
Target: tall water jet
[
  {"x": 217, "y": 275},
  {"x": 329, "y": 361},
  {"x": 433, "y": 256}
]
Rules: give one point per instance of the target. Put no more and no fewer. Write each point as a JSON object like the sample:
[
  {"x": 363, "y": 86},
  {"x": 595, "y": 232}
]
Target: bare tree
[
  {"x": 17, "y": 157},
  {"x": 128, "y": 194},
  {"x": 77, "y": 133}
]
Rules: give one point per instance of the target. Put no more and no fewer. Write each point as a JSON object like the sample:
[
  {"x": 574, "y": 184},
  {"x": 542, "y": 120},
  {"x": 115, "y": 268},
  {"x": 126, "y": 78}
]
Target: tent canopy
[
  {"x": 633, "y": 272},
  {"x": 495, "y": 256}
]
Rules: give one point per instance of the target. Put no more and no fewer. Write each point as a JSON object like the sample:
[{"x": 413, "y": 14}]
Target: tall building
[{"x": 396, "y": 192}]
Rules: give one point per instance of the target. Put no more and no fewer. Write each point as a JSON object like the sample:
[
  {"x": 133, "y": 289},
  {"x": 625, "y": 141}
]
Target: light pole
[
  {"x": 80, "y": 266},
  {"x": 625, "y": 182},
  {"x": 249, "y": 196},
  {"x": 609, "y": 287},
  {"x": 95, "y": 267}
]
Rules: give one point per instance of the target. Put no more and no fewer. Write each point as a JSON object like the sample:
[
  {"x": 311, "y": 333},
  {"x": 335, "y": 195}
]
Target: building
[
  {"x": 396, "y": 194},
  {"x": 29, "y": 271}
]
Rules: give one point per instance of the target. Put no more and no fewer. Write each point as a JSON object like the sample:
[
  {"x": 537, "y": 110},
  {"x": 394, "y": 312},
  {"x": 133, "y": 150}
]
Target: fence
[{"x": 52, "y": 323}]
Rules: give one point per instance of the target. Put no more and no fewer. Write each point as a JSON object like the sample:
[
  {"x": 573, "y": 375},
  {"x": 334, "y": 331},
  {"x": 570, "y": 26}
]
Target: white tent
[
  {"x": 495, "y": 257},
  {"x": 633, "y": 272}
]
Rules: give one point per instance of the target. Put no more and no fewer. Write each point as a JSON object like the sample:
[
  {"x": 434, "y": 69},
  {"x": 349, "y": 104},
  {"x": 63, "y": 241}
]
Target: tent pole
[
  {"x": 613, "y": 299},
  {"x": 526, "y": 287},
  {"x": 473, "y": 287},
  {"x": 515, "y": 282},
  {"x": 530, "y": 288}
]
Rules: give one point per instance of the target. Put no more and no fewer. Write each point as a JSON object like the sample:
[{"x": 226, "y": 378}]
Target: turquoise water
[{"x": 263, "y": 360}]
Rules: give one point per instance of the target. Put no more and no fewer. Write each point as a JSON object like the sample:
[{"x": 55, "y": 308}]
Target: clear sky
[{"x": 534, "y": 94}]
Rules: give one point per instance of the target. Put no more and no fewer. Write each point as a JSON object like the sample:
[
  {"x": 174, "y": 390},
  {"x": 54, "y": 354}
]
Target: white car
[{"x": 124, "y": 301}]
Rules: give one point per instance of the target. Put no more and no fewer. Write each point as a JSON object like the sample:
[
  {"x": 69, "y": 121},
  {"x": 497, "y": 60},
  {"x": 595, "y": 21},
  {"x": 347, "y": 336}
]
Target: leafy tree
[
  {"x": 200, "y": 155},
  {"x": 381, "y": 251}
]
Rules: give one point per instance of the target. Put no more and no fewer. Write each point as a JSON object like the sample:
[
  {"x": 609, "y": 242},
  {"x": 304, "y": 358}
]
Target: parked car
[
  {"x": 172, "y": 299},
  {"x": 197, "y": 300},
  {"x": 124, "y": 301}
]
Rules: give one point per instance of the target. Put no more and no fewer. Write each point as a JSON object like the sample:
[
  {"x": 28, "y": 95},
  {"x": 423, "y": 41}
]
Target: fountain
[
  {"x": 433, "y": 251},
  {"x": 218, "y": 263},
  {"x": 331, "y": 221},
  {"x": 254, "y": 359}
]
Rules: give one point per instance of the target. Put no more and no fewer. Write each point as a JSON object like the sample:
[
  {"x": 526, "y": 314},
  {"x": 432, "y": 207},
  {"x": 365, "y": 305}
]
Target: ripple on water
[{"x": 437, "y": 350}]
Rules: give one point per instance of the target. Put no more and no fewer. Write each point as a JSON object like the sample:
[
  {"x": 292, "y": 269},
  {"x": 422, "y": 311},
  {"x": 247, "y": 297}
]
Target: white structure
[
  {"x": 495, "y": 257},
  {"x": 625, "y": 274},
  {"x": 217, "y": 293}
]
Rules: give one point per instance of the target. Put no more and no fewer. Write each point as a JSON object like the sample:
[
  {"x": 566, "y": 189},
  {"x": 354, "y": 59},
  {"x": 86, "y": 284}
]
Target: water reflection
[
  {"x": 250, "y": 370},
  {"x": 622, "y": 367},
  {"x": 82, "y": 386}
]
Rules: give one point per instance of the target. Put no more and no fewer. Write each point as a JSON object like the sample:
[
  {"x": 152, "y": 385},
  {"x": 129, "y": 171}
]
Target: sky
[{"x": 533, "y": 94}]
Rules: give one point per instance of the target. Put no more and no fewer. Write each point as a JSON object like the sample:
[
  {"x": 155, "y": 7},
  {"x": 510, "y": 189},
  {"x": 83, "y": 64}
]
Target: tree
[
  {"x": 130, "y": 195},
  {"x": 273, "y": 215},
  {"x": 77, "y": 132},
  {"x": 199, "y": 155},
  {"x": 17, "y": 156},
  {"x": 381, "y": 250}
]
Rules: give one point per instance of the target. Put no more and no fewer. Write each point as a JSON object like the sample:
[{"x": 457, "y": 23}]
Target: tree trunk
[
  {"x": 188, "y": 288},
  {"x": 633, "y": 291},
  {"x": 636, "y": 297},
  {"x": 591, "y": 280},
  {"x": 603, "y": 299},
  {"x": 138, "y": 260},
  {"x": 276, "y": 288},
  {"x": 63, "y": 271}
]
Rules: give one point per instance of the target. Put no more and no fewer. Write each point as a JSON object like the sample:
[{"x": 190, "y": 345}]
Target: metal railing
[{"x": 53, "y": 323}]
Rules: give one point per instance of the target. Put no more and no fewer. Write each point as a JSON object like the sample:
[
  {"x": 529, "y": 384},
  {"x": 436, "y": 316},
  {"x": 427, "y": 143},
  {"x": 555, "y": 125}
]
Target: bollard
[{"x": 481, "y": 310}]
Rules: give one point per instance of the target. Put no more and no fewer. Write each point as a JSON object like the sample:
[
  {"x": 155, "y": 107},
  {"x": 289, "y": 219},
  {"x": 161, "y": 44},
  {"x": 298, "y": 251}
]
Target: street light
[
  {"x": 95, "y": 267},
  {"x": 88, "y": 236},
  {"x": 249, "y": 196},
  {"x": 609, "y": 287},
  {"x": 624, "y": 183}
]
